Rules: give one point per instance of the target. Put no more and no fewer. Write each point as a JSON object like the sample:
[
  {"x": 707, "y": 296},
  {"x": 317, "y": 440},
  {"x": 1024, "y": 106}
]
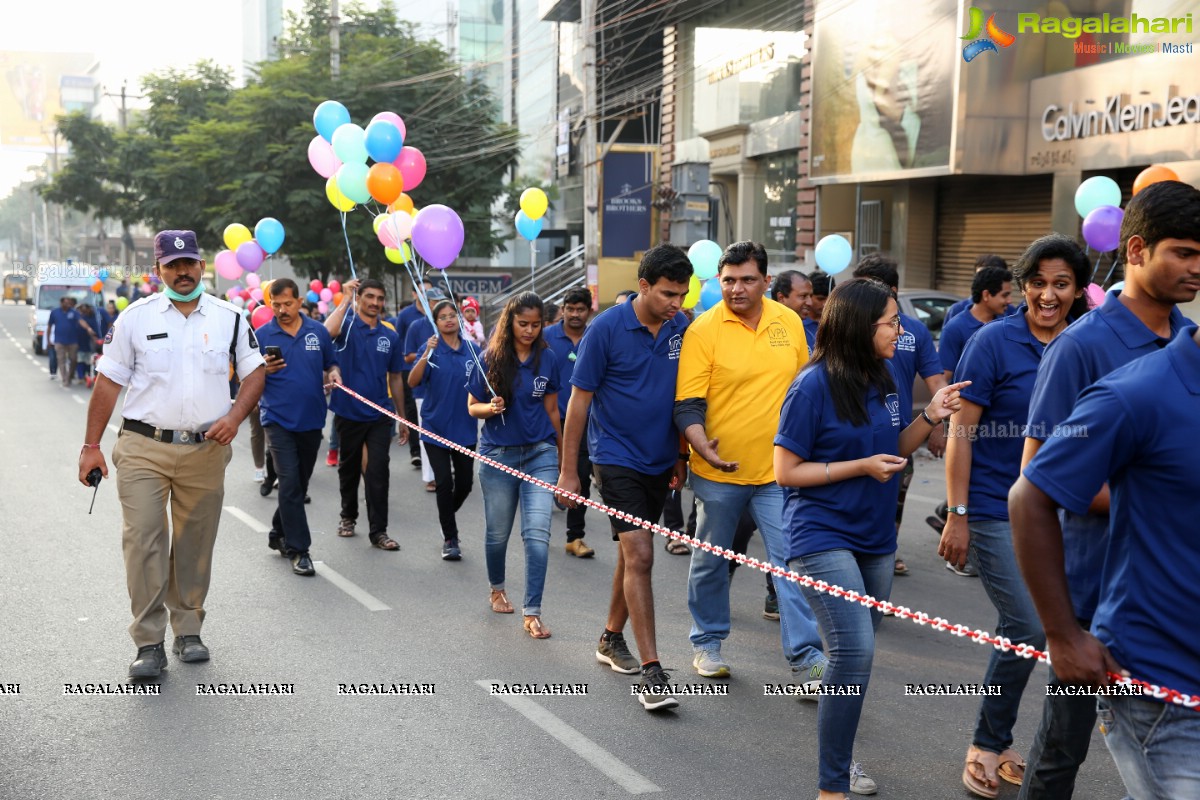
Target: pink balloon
[
  {"x": 233, "y": 291},
  {"x": 326, "y": 294},
  {"x": 387, "y": 234},
  {"x": 323, "y": 307},
  {"x": 144, "y": 288},
  {"x": 252, "y": 280},
  {"x": 249, "y": 255},
  {"x": 411, "y": 164},
  {"x": 394, "y": 118},
  {"x": 335, "y": 287},
  {"x": 250, "y": 304},
  {"x": 322, "y": 158},
  {"x": 261, "y": 316},
  {"x": 257, "y": 295},
  {"x": 401, "y": 222},
  {"x": 227, "y": 265},
  {"x": 1095, "y": 295}
]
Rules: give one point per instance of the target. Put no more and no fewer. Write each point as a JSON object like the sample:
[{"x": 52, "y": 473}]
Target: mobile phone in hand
[{"x": 274, "y": 351}]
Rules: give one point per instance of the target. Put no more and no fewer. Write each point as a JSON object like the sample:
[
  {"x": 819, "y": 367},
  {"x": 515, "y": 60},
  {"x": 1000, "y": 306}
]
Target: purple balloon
[
  {"x": 1102, "y": 228},
  {"x": 249, "y": 255},
  {"x": 437, "y": 234}
]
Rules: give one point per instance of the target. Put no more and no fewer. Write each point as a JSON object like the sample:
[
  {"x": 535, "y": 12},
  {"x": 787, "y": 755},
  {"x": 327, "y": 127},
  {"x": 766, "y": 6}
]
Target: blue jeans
[
  {"x": 1154, "y": 744},
  {"x": 849, "y": 630},
  {"x": 501, "y": 494},
  {"x": 991, "y": 551},
  {"x": 294, "y": 454},
  {"x": 719, "y": 506}
]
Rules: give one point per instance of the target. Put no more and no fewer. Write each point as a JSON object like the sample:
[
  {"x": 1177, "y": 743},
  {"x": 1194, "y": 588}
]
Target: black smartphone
[{"x": 275, "y": 352}]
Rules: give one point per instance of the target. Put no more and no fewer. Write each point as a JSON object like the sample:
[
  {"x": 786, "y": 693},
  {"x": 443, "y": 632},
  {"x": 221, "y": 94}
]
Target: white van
[{"x": 48, "y": 293}]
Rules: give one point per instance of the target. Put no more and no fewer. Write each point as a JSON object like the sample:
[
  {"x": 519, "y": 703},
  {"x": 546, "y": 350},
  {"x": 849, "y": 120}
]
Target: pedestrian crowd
[{"x": 787, "y": 408}]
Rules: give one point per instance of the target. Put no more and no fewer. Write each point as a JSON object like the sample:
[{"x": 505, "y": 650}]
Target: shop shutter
[{"x": 987, "y": 214}]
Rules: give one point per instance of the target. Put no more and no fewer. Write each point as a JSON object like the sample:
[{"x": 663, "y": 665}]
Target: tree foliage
[{"x": 207, "y": 154}]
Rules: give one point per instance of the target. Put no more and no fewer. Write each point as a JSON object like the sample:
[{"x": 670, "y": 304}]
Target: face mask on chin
[{"x": 184, "y": 298}]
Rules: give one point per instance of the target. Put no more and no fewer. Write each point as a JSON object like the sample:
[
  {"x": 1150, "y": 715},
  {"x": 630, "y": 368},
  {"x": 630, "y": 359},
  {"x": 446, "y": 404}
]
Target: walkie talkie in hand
[{"x": 93, "y": 479}]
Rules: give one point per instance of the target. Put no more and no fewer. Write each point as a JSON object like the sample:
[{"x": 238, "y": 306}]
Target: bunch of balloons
[
  {"x": 246, "y": 251},
  {"x": 704, "y": 290},
  {"x": 341, "y": 149},
  {"x": 531, "y": 217},
  {"x": 323, "y": 295},
  {"x": 256, "y": 293},
  {"x": 1098, "y": 201}
]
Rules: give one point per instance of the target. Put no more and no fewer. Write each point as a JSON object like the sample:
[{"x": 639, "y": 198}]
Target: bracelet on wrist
[
  {"x": 925, "y": 416},
  {"x": 95, "y": 446}
]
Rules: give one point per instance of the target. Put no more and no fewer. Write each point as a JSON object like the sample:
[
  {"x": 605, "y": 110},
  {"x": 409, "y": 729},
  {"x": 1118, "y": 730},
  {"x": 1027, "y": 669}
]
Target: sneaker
[
  {"x": 331, "y": 460},
  {"x": 968, "y": 571},
  {"x": 655, "y": 690},
  {"x": 276, "y": 543},
  {"x": 260, "y": 474},
  {"x": 861, "y": 782},
  {"x": 709, "y": 664},
  {"x": 771, "y": 607},
  {"x": 450, "y": 550},
  {"x": 812, "y": 680},
  {"x": 613, "y": 651},
  {"x": 416, "y": 462},
  {"x": 577, "y": 548}
]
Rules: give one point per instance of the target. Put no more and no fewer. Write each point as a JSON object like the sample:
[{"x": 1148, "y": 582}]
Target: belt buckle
[
  {"x": 184, "y": 437},
  {"x": 158, "y": 432}
]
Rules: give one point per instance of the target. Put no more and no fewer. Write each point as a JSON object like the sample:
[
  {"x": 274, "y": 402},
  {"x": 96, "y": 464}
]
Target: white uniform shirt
[{"x": 176, "y": 368}]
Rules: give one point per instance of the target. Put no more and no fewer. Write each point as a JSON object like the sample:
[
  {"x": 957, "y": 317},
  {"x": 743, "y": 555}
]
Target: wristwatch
[{"x": 960, "y": 509}]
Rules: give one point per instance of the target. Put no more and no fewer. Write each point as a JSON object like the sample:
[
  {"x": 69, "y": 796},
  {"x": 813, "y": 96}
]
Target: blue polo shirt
[
  {"x": 444, "y": 410},
  {"x": 1098, "y": 343},
  {"x": 1142, "y": 422},
  {"x": 915, "y": 355},
  {"x": 858, "y": 514},
  {"x": 294, "y": 397},
  {"x": 810, "y": 333},
  {"x": 567, "y": 353},
  {"x": 1001, "y": 360},
  {"x": 524, "y": 421},
  {"x": 962, "y": 305},
  {"x": 633, "y": 376},
  {"x": 955, "y": 335},
  {"x": 365, "y": 356},
  {"x": 407, "y": 316},
  {"x": 67, "y": 329},
  {"x": 414, "y": 340}
]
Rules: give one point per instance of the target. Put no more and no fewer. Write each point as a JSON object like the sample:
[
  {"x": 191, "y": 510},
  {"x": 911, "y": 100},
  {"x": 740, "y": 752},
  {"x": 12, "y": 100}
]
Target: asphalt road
[{"x": 410, "y": 618}]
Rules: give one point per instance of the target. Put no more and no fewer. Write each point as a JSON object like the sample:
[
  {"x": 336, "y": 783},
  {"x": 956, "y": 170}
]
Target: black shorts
[{"x": 632, "y": 492}]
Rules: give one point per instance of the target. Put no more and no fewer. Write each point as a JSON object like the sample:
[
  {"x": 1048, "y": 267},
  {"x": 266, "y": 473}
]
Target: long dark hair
[
  {"x": 1049, "y": 247},
  {"x": 846, "y": 346},
  {"x": 502, "y": 351}
]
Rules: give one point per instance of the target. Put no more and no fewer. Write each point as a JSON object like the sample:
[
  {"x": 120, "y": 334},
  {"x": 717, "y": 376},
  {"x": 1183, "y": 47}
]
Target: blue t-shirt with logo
[
  {"x": 407, "y": 316},
  {"x": 1001, "y": 361},
  {"x": 365, "y": 356},
  {"x": 444, "y": 409},
  {"x": 1142, "y": 423},
  {"x": 632, "y": 375},
  {"x": 1099, "y": 342},
  {"x": 915, "y": 355},
  {"x": 294, "y": 397},
  {"x": 567, "y": 353},
  {"x": 524, "y": 421},
  {"x": 858, "y": 514},
  {"x": 67, "y": 329},
  {"x": 955, "y": 335},
  {"x": 414, "y": 340}
]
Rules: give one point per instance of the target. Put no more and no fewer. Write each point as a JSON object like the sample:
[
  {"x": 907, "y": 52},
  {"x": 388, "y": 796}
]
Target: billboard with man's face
[{"x": 883, "y": 88}]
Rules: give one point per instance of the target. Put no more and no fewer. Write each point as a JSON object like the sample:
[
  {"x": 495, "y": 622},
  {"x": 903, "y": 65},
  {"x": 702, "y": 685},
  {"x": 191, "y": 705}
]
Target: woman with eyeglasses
[
  {"x": 516, "y": 395},
  {"x": 442, "y": 367},
  {"x": 839, "y": 452},
  {"x": 983, "y": 460}
]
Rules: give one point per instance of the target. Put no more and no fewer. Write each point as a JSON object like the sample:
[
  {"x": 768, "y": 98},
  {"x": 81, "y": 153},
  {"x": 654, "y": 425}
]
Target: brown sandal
[
  {"x": 499, "y": 601},
  {"x": 1011, "y": 767},
  {"x": 979, "y": 773},
  {"x": 677, "y": 547},
  {"x": 385, "y": 543},
  {"x": 535, "y": 628}
]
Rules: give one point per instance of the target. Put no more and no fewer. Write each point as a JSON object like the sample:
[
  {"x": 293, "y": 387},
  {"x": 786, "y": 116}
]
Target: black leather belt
[{"x": 160, "y": 435}]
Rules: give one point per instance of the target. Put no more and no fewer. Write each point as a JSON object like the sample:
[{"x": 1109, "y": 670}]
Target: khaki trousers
[{"x": 168, "y": 564}]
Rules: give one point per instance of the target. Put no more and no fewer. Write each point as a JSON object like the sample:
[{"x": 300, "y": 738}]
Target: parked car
[{"x": 929, "y": 307}]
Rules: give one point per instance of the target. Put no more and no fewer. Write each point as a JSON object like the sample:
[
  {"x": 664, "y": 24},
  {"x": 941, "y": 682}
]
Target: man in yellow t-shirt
[{"x": 737, "y": 362}]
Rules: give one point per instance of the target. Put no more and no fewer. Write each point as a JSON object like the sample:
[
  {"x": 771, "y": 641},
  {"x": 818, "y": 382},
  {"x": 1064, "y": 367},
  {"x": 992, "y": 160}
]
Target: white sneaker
[
  {"x": 860, "y": 782},
  {"x": 708, "y": 662},
  {"x": 260, "y": 475}
]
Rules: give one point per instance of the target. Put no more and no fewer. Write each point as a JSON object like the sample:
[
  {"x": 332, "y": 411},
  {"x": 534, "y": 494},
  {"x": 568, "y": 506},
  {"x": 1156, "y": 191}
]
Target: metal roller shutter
[{"x": 987, "y": 214}]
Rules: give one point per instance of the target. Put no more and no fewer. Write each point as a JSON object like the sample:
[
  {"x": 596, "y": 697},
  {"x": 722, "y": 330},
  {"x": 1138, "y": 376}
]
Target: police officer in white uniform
[{"x": 172, "y": 351}]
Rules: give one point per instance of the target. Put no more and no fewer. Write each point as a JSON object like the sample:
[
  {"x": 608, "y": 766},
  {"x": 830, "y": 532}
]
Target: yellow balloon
[
  {"x": 335, "y": 196},
  {"x": 534, "y": 203},
  {"x": 398, "y": 255},
  {"x": 236, "y": 234},
  {"x": 378, "y": 223},
  {"x": 266, "y": 290},
  {"x": 693, "y": 295}
]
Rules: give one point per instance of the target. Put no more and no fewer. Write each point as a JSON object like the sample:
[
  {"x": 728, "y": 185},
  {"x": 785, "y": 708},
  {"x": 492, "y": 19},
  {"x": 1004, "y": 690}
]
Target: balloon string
[
  {"x": 349, "y": 252},
  {"x": 462, "y": 327}
]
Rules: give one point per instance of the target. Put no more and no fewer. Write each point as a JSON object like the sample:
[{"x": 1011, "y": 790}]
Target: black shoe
[
  {"x": 654, "y": 691},
  {"x": 416, "y": 461},
  {"x": 266, "y": 488},
  {"x": 276, "y": 543},
  {"x": 302, "y": 565},
  {"x": 450, "y": 550},
  {"x": 307, "y": 499},
  {"x": 190, "y": 649},
  {"x": 938, "y": 525},
  {"x": 150, "y": 662}
]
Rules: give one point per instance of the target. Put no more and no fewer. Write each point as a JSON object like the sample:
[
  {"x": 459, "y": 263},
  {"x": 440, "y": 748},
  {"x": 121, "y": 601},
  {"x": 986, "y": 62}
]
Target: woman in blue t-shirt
[
  {"x": 442, "y": 368},
  {"x": 983, "y": 460},
  {"x": 521, "y": 430},
  {"x": 840, "y": 450}
]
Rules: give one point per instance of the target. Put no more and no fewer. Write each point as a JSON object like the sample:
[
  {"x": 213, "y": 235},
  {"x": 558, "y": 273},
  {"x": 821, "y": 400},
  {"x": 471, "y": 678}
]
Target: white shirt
[{"x": 176, "y": 368}]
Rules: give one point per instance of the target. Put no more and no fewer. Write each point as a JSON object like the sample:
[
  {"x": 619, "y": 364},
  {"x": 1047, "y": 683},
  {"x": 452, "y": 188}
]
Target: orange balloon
[
  {"x": 385, "y": 183},
  {"x": 266, "y": 290},
  {"x": 1153, "y": 174},
  {"x": 403, "y": 203},
  {"x": 337, "y": 298}
]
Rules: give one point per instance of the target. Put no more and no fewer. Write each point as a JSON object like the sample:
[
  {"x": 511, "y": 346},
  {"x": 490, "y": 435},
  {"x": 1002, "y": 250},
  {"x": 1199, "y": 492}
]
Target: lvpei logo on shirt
[
  {"x": 892, "y": 403},
  {"x": 674, "y": 346},
  {"x": 384, "y": 345},
  {"x": 311, "y": 342},
  {"x": 778, "y": 335},
  {"x": 539, "y": 386}
]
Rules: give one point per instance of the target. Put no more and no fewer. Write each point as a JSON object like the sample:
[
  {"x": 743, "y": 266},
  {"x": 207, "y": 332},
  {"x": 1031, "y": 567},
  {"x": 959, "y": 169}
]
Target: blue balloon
[
  {"x": 312, "y": 296},
  {"x": 1097, "y": 192},
  {"x": 710, "y": 293},
  {"x": 269, "y": 234},
  {"x": 833, "y": 253},
  {"x": 384, "y": 141},
  {"x": 328, "y": 117},
  {"x": 529, "y": 228},
  {"x": 102, "y": 274}
]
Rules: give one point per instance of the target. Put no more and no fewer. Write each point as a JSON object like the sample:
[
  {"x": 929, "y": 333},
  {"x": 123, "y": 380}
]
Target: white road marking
[
  {"x": 78, "y": 399},
  {"x": 351, "y": 588},
  {"x": 621, "y": 773},
  {"x": 254, "y": 524}
]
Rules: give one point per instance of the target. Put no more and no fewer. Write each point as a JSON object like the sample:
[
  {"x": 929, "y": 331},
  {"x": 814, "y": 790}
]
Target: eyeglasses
[
  {"x": 445, "y": 318},
  {"x": 894, "y": 322}
]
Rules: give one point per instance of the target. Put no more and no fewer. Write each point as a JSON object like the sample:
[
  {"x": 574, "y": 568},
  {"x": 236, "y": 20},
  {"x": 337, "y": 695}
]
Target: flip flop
[
  {"x": 535, "y": 628},
  {"x": 979, "y": 764},
  {"x": 499, "y": 601},
  {"x": 385, "y": 543},
  {"x": 1011, "y": 767},
  {"x": 901, "y": 568}
]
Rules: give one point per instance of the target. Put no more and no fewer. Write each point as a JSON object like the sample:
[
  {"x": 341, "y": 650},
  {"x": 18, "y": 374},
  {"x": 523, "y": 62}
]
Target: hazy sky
[{"x": 133, "y": 37}]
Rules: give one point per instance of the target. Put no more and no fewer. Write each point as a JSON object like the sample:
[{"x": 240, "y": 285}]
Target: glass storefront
[{"x": 775, "y": 207}]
